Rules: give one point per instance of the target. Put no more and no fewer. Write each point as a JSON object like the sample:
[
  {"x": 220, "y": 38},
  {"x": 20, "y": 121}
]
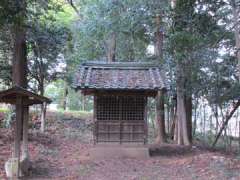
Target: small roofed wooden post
[
  {"x": 22, "y": 99},
  {"x": 120, "y": 93}
]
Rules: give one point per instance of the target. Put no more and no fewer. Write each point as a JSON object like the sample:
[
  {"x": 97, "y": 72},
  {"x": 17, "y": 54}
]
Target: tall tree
[
  {"x": 158, "y": 52},
  {"x": 19, "y": 78},
  {"x": 47, "y": 42},
  {"x": 236, "y": 23}
]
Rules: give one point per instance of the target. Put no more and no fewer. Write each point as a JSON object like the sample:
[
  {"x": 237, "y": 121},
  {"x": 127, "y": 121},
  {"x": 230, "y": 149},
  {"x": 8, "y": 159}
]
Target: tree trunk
[
  {"x": 195, "y": 119},
  {"x": 158, "y": 51},
  {"x": 173, "y": 3},
  {"x": 43, "y": 116},
  {"x": 236, "y": 11},
  {"x": 43, "y": 109},
  {"x": 173, "y": 111},
  {"x": 175, "y": 136},
  {"x": 83, "y": 102},
  {"x": 228, "y": 117},
  {"x": 172, "y": 121},
  {"x": 158, "y": 45},
  {"x": 65, "y": 94},
  {"x": 183, "y": 138},
  {"x": 19, "y": 73},
  {"x": 111, "y": 47},
  {"x": 19, "y": 78},
  {"x": 188, "y": 104},
  {"x": 160, "y": 119},
  {"x": 168, "y": 122}
]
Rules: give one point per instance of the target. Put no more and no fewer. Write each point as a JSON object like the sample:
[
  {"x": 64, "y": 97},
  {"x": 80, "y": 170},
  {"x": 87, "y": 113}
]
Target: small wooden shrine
[
  {"x": 120, "y": 93},
  {"x": 18, "y": 166}
]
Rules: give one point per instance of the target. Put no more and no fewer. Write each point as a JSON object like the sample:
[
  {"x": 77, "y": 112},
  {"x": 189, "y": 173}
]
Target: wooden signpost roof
[
  {"x": 29, "y": 98},
  {"x": 127, "y": 76}
]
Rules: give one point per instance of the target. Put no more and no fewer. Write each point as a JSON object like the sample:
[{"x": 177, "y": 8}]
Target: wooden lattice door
[{"x": 120, "y": 119}]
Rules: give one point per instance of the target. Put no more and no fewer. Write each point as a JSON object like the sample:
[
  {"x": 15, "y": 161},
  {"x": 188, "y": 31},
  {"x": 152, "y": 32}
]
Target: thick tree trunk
[
  {"x": 111, "y": 47},
  {"x": 19, "y": 75},
  {"x": 19, "y": 78},
  {"x": 158, "y": 51},
  {"x": 183, "y": 138},
  {"x": 160, "y": 119}
]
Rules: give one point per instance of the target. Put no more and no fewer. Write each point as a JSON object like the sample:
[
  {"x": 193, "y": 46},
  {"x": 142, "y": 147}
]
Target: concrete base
[
  {"x": 118, "y": 151},
  {"x": 11, "y": 168}
]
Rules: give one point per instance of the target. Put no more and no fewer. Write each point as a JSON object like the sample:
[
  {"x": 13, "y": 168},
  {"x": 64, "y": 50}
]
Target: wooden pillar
[
  {"x": 25, "y": 133},
  {"x": 18, "y": 133}
]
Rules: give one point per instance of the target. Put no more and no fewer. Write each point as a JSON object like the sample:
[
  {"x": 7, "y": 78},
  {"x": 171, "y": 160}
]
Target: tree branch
[
  {"x": 225, "y": 123},
  {"x": 70, "y": 2}
]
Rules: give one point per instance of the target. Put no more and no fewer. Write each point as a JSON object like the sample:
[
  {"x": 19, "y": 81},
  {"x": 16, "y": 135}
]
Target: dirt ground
[{"x": 62, "y": 153}]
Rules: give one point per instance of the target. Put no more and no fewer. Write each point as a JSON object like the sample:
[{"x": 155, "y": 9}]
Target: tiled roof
[
  {"x": 119, "y": 76},
  {"x": 10, "y": 96}
]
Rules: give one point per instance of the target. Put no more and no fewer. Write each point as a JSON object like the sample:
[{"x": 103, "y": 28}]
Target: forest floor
[{"x": 62, "y": 153}]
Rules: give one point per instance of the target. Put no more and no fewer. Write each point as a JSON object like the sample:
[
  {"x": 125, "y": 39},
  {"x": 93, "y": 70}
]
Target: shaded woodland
[{"x": 195, "y": 42}]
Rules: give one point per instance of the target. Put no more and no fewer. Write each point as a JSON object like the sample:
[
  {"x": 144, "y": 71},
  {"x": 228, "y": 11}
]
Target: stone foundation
[
  {"x": 11, "y": 168},
  {"x": 118, "y": 151}
]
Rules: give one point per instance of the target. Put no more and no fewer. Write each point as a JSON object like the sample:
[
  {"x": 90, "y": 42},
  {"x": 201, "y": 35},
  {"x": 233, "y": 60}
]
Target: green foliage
[
  {"x": 74, "y": 100},
  {"x": 8, "y": 118},
  {"x": 130, "y": 20},
  {"x": 54, "y": 91},
  {"x": 74, "y": 114},
  {"x": 46, "y": 43},
  {"x": 4, "y": 110}
]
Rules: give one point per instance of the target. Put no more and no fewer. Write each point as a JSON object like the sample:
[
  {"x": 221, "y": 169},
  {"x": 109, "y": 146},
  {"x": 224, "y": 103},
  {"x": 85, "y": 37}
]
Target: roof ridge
[{"x": 121, "y": 64}]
